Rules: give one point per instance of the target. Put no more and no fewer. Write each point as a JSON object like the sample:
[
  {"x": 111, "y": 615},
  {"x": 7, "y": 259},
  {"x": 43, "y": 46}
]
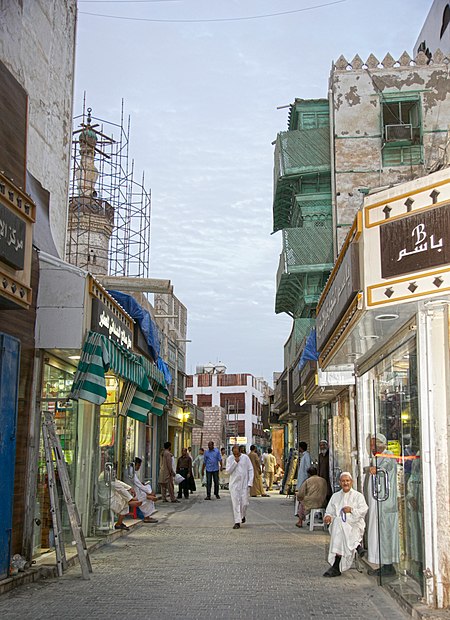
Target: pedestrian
[
  {"x": 212, "y": 463},
  {"x": 240, "y": 470},
  {"x": 382, "y": 527},
  {"x": 184, "y": 468},
  {"x": 324, "y": 465},
  {"x": 269, "y": 468},
  {"x": 312, "y": 494},
  {"x": 304, "y": 465},
  {"x": 223, "y": 482},
  {"x": 144, "y": 494},
  {"x": 257, "y": 486},
  {"x": 242, "y": 450},
  {"x": 345, "y": 515},
  {"x": 198, "y": 463},
  {"x": 166, "y": 474}
]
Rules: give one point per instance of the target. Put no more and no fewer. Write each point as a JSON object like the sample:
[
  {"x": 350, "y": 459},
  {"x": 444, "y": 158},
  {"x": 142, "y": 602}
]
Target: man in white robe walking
[
  {"x": 240, "y": 469},
  {"x": 144, "y": 494},
  {"x": 345, "y": 515}
]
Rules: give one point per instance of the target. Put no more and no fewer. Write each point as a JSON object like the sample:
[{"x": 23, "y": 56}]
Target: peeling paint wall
[
  {"x": 37, "y": 44},
  {"x": 357, "y": 94}
]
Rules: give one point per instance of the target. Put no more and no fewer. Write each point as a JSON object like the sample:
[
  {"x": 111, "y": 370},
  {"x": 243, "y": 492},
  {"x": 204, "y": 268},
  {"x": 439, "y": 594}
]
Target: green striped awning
[{"x": 101, "y": 354}]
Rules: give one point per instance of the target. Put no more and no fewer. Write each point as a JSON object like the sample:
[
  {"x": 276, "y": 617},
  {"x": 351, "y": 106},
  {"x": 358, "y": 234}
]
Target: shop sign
[
  {"x": 415, "y": 242},
  {"x": 105, "y": 322},
  {"x": 344, "y": 287},
  {"x": 238, "y": 441},
  {"x": 12, "y": 238}
]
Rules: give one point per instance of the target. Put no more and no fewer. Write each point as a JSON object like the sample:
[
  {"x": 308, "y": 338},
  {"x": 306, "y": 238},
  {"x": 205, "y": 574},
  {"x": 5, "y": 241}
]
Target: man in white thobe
[
  {"x": 240, "y": 469},
  {"x": 382, "y": 529},
  {"x": 144, "y": 494},
  {"x": 345, "y": 515},
  {"x": 117, "y": 496}
]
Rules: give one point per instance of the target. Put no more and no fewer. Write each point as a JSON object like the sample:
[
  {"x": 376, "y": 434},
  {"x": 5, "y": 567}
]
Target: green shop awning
[{"x": 100, "y": 355}]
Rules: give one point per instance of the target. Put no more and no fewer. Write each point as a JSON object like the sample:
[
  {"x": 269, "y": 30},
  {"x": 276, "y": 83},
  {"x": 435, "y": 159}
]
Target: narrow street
[{"x": 192, "y": 564}]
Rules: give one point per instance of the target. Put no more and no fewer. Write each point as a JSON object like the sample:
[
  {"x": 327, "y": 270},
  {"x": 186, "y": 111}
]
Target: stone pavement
[{"x": 192, "y": 564}]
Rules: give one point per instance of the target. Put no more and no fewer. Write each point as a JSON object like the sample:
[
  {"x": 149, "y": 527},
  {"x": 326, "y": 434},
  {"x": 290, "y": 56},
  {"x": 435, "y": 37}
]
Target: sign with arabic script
[
  {"x": 12, "y": 238},
  {"x": 415, "y": 242},
  {"x": 104, "y": 321}
]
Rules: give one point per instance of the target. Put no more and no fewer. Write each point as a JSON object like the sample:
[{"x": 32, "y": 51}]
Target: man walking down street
[
  {"x": 257, "y": 486},
  {"x": 166, "y": 474},
  {"x": 269, "y": 468},
  {"x": 240, "y": 470},
  {"x": 184, "y": 468},
  {"x": 212, "y": 462}
]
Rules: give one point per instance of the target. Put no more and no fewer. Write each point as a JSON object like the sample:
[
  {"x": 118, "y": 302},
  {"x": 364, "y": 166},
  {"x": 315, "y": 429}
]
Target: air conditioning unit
[{"x": 398, "y": 133}]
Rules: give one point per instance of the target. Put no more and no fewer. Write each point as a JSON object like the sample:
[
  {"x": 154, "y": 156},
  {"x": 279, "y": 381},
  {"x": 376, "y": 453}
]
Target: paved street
[{"x": 193, "y": 565}]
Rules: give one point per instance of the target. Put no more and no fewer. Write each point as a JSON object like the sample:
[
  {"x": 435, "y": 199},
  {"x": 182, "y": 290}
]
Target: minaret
[{"x": 91, "y": 219}]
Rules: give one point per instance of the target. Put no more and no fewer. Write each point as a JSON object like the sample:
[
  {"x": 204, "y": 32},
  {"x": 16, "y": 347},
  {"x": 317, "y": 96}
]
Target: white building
[
  {"x": 435, "y": 33},
  {"x": 241, "y": 395}
]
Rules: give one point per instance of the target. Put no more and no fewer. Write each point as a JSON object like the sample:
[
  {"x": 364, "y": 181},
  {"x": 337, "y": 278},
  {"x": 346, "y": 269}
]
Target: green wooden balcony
[
  {"x": 305, "y": 263},
  {"x": 302, "y": 165}
]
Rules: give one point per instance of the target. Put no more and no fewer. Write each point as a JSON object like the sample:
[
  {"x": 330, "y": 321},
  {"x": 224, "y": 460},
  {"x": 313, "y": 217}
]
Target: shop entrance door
[
  {"x": 394, "y": 489},
  {"x": 339, "y": 442},
  {"x": 9, "y": 381}
]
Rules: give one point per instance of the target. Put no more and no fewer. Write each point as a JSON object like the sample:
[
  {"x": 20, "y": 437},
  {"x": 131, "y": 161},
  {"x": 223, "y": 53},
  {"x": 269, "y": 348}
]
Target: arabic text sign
[
  {"x": 415, "y": 242},
  {"x": 12, "y": 238},
  {"x": 345, "y": 285},
  {"x": 104, "y": 322}
]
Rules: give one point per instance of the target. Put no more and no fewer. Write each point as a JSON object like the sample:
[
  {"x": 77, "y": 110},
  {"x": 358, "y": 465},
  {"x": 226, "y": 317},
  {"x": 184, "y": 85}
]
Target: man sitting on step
[{"x": 345, "y": 515}]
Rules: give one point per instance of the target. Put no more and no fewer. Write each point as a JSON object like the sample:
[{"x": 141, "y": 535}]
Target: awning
[{"x": 101, "y": 354}]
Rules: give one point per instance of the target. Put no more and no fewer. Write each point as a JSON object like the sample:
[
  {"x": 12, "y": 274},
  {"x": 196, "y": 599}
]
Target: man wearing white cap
[
  {"x": 382, "y": 528},
  {"x": 345, "y": 515}
]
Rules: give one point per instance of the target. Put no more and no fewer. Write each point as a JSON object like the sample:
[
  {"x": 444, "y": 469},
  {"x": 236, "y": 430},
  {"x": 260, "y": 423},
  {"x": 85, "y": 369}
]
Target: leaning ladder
[{"x": 52, "y": 443}]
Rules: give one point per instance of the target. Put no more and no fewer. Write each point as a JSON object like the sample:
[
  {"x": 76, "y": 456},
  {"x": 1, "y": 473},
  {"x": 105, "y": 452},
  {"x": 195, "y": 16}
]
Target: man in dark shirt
[{"x": 324, "y": 465}]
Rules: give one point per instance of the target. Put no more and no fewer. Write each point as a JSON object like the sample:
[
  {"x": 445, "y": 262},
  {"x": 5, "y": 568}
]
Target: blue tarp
[
  {"x": 310, "y": 350},
  {"x": 165, "y": 370},
  {"x": 143, "y": 319}
]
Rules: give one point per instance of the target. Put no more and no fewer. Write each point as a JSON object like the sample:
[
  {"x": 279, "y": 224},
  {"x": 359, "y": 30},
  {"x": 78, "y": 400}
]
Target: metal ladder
[{"x": 52, "y": 443}]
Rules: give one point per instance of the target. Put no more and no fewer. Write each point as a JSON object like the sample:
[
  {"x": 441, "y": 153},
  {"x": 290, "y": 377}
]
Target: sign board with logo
[
  {"x": 108, "y": 321},
  {"x": 415, "y": 242},
  {"x": 238, "y": 441},
  {"x": 17, "y": 215},
  {"x": 406, "y": 241}
]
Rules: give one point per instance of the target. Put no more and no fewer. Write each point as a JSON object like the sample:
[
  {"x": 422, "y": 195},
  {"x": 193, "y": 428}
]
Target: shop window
[
  {"x": 314, "y": 120},
  {"x": 401, "y": 132}
]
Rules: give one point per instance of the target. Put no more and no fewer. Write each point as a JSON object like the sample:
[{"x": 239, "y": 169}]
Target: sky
[{"x": 203, "y": 98}]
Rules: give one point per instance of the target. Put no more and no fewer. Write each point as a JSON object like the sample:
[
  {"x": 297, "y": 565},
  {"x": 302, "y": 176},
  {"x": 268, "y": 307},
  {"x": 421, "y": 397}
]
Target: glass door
[
  {"x": 339, "y": 441},
  {"x": 395, "y": 519}
]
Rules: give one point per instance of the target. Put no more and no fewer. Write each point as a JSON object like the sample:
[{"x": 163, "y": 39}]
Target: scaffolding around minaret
[{"x": 109, "y": 212}]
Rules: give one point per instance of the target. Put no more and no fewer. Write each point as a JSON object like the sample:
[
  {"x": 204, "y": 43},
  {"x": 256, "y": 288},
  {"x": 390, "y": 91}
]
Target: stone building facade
[
  {"x": 214, "y": 429},
  {"x": 389, "y": 124}
]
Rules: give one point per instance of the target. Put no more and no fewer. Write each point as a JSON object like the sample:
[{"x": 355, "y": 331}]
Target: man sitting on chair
[
  {"x": 312, "y": 494},
  {"x": 345, "y": 515}
]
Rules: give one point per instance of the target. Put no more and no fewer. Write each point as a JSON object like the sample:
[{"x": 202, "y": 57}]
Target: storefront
[
  {"x": 18, "y": 278},
  {"x": 396, "y": 333},
  {"x": 106, "y": 399}
]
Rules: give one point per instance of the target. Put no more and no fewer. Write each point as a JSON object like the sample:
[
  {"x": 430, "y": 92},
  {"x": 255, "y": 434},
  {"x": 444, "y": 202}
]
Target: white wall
[
  {"x": 37, "y": 44},
  {"x": 431, "y": 30}
]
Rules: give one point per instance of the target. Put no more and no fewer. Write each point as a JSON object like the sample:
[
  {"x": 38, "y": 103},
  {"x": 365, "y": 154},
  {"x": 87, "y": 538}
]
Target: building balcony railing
[
  {"x": 296, "y": 340},
  {"x": 305, "y": 264},
  {"x": 299, "y": 153}
]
